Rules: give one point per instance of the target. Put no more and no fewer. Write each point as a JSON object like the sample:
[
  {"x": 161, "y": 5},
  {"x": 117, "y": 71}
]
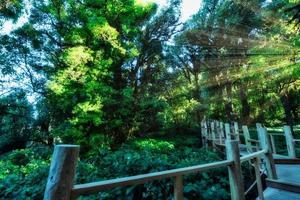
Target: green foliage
[
  {"x": 109, "y": 74},
  {"x": 24, "y": 172},
  {"x": 181, "y": 106},
  {"x": 15, "y": 121},
  {"x": 106, "y": 58},
  {"x": 143, "y": 157},
  {"x": 153, "y": 145},
  {"x": 238, "y": 64},
  {"x": 91, "y": 73},
  {"x": 10, "y": 9}
]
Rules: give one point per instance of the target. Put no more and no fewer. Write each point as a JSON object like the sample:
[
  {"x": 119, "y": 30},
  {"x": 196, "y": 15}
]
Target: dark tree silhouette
[{"x": 295, "y": 11}]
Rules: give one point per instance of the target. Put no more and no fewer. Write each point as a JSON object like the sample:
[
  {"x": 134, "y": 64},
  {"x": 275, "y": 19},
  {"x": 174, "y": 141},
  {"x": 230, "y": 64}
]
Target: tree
[
  {"x": 102, "y": 56},
  {"x": 15, "y": 121},
  {"x": 96, "y": 40},
  {"x": 212, "y": 51},
  {"x": 295, "y": 10},
  {"x": 10, "y": 10},
  {"x": 148, "y": 69},
  {"x": 282, "y": 68}
]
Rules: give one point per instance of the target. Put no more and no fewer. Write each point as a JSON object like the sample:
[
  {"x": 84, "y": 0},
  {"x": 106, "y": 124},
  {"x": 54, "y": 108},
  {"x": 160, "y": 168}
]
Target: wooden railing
[
  {"x": 60, "y": 183},
  {"x": 215, "y": 133},
  {"x": 177, "y": 174},
  {"x": 61, "y": 186}
]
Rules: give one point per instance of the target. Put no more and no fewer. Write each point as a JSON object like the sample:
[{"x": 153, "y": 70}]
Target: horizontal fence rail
[
  {"x": 144, "y": 178},
  {"x": 257, "y": 154},
  {"x": 61, "y": 186},
  {"x": 233, "y": 163}
]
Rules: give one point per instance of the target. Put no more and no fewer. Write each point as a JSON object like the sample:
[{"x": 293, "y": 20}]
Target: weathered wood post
[
  {"x": 202, "y": 132},
  {"x": 273, "y": 144},
  {"x": 258, "y": 127},
  {"x": 290, "y": 143},
  {"x": 236, "y": 131},
  {"x": 247, "y": 138},
  {"x": 178, "y": 188},
  {"x": 227, "y": 131},
  {"x": 213, "y": 134},
  {"x": 219, "y": 132},
  {"x": 234, "y": 170},
  {"x": 222, "y": 131},
  {"x": 256, "y": 164},
  {"x": 62, "y": 172},
  {"x": 208, "y": 133},
  {"x": 205, "y": 129},
  {"x": 265, "y": 144}
]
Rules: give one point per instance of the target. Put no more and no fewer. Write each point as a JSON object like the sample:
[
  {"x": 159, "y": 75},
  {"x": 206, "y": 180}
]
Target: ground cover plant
[{"x": 130, "y": 81}]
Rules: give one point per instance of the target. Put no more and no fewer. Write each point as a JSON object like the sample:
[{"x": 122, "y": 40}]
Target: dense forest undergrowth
[
  {"x": 130, "y": 82},
  {"x": 24, "y": 172}
]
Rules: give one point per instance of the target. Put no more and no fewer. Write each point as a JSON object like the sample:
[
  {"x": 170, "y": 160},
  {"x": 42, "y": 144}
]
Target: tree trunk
[
  {"x": 228, "y": 104},
  {"x": 288, "y": 111},
  {"x": 245, "y": 113}
]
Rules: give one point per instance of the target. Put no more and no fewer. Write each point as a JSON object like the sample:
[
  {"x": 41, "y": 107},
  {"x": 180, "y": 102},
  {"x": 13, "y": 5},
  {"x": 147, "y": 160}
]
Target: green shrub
[
  {"x": 23, "y": 173},
  {"x": 154, "y": 145},
  {"x": 143, "y": 157}
]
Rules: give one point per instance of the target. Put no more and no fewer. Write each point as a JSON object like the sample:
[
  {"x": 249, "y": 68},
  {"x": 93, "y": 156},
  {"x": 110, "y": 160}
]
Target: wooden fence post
[
  {"x": 273, "y": 144},
  {"x": 213, "y": 134},
  {"x": 234, "y": 170},
  {"x": 256, "y": 164},
  {"x": 62, "y": 172},
  {"x": 290, "y": 143},
  {"x": 247, "y": 138},
  {"x": 258, "y": 145},
  {"x": 219, "y": 132},
  {"x": 222, "y": 130},
  {"x": 258, "y": 127},
  {"x": 227, "y": 131},
  {"x": 236, "y": 131},
  {"x": 178, "y": 188},
  {"x": 202, "y": 132},
  {"x": 265, "y": 144},
  {"x": 205, "y": 133}
]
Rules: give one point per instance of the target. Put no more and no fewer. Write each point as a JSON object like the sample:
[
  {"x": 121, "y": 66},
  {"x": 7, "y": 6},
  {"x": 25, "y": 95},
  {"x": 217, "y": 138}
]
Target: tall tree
[
  {"x": 16, "y": 121},
  {"x": 213, "y": 49},
  {"x": 10, "y": 10}
]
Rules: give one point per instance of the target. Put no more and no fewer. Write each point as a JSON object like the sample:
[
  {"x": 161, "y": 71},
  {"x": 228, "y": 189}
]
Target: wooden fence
[
  {"x": 215, "y": 133},
  {"x": 60, "y": 184}
]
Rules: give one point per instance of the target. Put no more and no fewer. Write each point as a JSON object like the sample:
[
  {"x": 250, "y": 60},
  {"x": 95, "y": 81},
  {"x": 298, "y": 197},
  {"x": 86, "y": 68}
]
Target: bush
[
  {"x": 15, "y": 121},
  {"x": 23, "y": 173},
  {"x": 145, "y": 156}
]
